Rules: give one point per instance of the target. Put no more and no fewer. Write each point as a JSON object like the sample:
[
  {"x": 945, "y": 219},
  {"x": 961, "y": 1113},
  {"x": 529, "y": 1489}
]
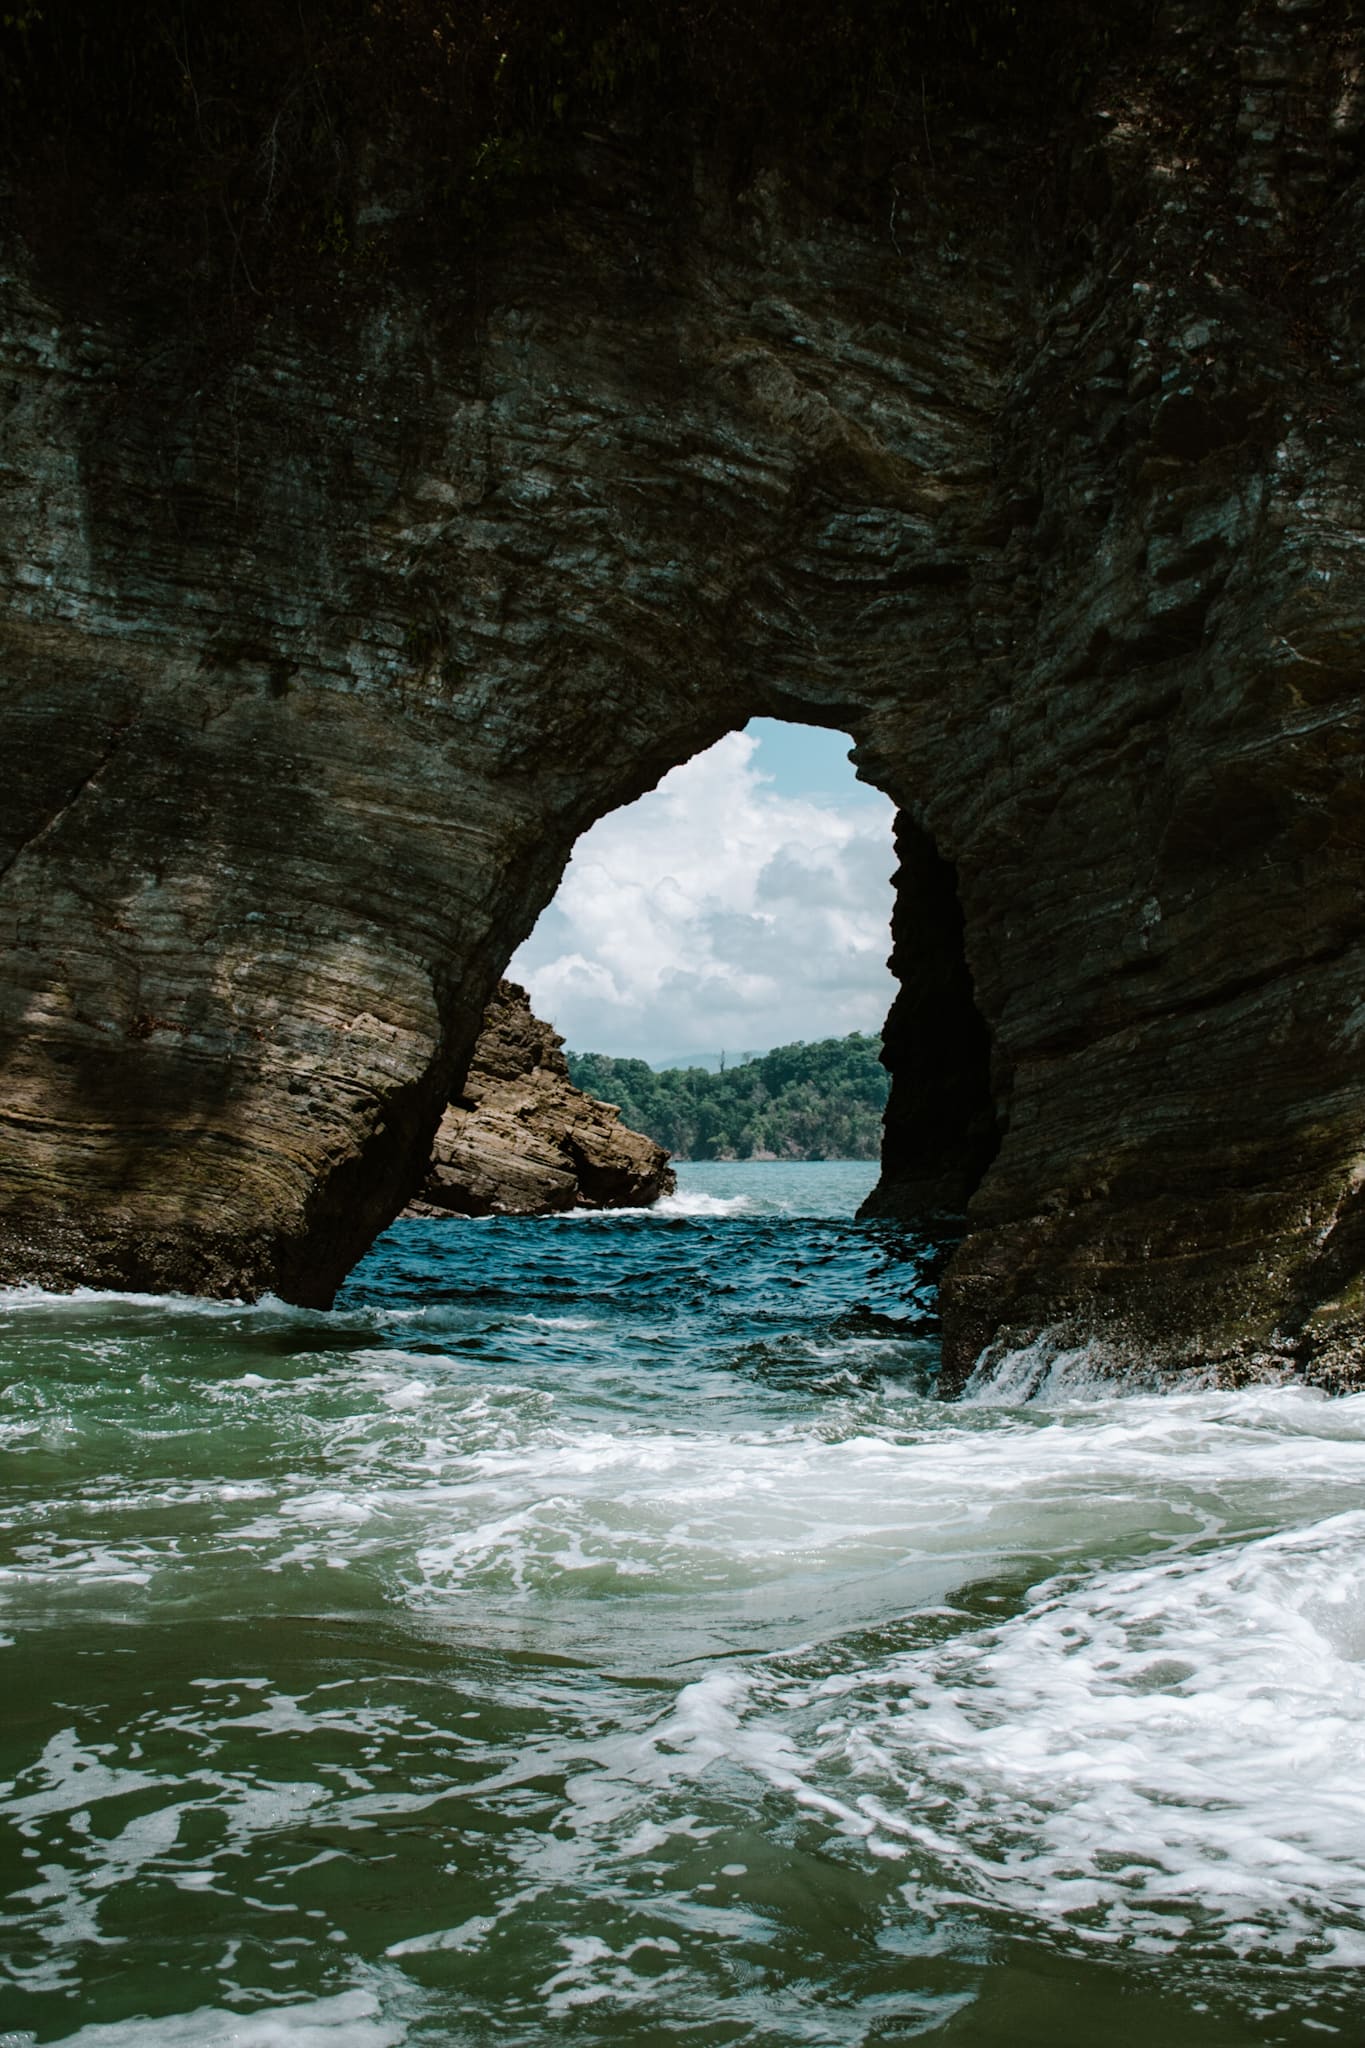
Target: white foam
[
  {"x": 446, "y": 1483},
  {"x": 694, "y": 1202},
  {"x": 1163, "y": 1749},
  {"x": 470, "y": 1933},
  {"x": 68, "y": 1775},
  {"x": 1170, "y": 1755},
  {"x": 29, "y": 1298},
  {"x": 350, "y": 2019},
  {"x": 1046, "y": 1373},
  {"x": 896, "y": 1485},
  {"x": 1050, "y": 1373}
]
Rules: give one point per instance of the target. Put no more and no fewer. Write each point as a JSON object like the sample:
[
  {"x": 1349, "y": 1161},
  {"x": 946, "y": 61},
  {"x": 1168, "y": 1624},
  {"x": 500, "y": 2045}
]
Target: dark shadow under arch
[{"x": 943, "y": 1122}]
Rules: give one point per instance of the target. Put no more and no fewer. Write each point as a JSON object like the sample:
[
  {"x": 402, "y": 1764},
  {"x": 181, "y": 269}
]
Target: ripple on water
[{"x": 598, "y": 1627}]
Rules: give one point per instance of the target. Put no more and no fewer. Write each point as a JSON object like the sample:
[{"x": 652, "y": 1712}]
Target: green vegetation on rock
[{"x": 820, "y": 1101}]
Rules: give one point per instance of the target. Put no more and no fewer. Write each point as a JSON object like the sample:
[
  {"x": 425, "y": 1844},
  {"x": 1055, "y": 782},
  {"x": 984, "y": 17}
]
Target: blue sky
[
  {"x": 743, "y": 903},
  {"x": 805, "y": 760}
]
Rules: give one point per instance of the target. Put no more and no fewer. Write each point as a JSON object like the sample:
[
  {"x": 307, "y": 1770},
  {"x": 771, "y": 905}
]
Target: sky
[{"x": 742, "y": 904}]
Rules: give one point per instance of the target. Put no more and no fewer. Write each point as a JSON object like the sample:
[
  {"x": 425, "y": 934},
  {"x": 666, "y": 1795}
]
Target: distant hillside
[
  {"x": 821, "y": 1101},
  {"x": 712, "y": 1061}
]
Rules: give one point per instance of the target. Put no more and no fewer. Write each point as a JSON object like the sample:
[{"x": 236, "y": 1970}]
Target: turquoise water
[{"x": 594, "y": 1631}]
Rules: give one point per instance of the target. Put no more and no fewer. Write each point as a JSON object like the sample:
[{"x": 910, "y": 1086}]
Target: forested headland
[{"x": 819, "y": 1101}]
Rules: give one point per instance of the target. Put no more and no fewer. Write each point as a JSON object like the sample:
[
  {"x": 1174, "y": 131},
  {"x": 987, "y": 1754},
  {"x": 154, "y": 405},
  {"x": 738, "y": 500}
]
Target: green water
[{"x": 594, "y": 1631}]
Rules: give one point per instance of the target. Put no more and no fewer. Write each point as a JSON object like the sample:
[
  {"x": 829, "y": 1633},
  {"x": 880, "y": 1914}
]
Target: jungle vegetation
[{"x": 819, "y": 1101}]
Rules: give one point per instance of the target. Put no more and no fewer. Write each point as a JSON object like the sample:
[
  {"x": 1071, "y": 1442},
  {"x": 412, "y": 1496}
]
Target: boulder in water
[{"x": 521, "y": 1140}]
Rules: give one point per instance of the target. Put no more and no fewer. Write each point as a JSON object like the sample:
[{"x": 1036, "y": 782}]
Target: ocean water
[{"x": 594, "y": 1631}]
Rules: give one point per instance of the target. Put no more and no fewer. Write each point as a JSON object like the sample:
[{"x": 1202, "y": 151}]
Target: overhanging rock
[{"x": 319, "y": 657}]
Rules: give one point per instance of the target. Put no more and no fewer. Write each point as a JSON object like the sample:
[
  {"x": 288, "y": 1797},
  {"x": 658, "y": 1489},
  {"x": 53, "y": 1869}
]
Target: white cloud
[{"x": 716, "y": 913}]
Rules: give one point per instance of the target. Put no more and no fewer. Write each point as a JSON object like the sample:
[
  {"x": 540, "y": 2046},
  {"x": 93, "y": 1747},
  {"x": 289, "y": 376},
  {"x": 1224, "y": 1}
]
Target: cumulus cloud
[{"x": 716, "y": 913}]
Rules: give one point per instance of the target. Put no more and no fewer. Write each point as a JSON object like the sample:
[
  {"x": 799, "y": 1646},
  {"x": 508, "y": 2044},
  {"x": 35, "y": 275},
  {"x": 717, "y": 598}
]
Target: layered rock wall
[
  {"x": 318, "y": 658},
  {"x": 523, "y": 1141}
]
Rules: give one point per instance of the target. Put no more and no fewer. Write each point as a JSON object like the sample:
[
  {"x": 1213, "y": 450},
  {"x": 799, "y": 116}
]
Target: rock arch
[{"x": 320, "y": 655}]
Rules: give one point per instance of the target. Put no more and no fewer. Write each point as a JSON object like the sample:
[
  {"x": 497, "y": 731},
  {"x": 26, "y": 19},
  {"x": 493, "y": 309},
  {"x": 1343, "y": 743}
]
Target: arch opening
[{"x": 745, "y": 904}]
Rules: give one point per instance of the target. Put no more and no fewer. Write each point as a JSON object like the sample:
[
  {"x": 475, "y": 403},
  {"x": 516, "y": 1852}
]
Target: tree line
[{"x": 820, "y": 1101}]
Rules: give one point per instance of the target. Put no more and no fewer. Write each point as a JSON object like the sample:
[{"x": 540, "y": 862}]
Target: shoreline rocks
[{"x": 521, "y": 1140}]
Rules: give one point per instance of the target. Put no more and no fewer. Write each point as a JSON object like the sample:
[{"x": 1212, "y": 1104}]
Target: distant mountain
[
  {"x": 820, "y": 1101},
  {"x": 711, "y": 1061}
]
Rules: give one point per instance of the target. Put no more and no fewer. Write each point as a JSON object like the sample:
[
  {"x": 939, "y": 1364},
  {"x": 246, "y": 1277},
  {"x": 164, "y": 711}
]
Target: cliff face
[
  {"x": 523, "y": 1141},
  {"x": 318, "y": 659}
]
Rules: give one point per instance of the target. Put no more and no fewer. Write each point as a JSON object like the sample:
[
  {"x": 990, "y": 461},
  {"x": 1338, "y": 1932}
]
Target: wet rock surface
[
  {"x": 523, "y": 1141},
  {"x": 1045, "y": 483}
]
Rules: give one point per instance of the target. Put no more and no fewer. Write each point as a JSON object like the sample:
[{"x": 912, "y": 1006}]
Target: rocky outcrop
[
  {"x": 523, "y": 1141},
  {"x": 1044, "y": 479}
]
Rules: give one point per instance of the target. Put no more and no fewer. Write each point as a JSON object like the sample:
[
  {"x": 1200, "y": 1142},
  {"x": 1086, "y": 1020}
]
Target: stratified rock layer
[
  {"x": 318, "y": 659},
  {"x": 523, "y": 1141}
]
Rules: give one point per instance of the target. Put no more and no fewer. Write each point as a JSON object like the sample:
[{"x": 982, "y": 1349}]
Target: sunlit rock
[{"x": 523, "y": 1141}]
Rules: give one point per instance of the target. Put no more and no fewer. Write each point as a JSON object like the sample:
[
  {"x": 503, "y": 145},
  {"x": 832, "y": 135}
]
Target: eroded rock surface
[
  {"x": 1046, "y": 481},
  {"x": 523, "y": 1141}
]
